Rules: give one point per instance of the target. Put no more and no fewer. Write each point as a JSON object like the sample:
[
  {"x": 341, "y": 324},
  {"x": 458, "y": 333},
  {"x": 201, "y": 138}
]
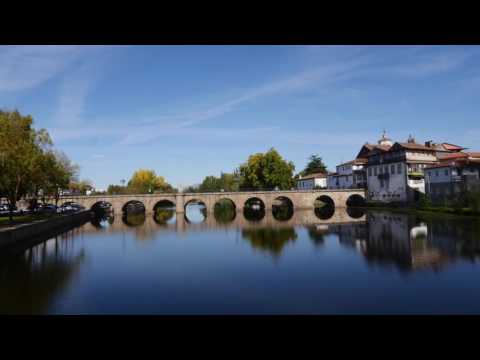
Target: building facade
[
  {"x": 312, "y": 181},
  {"x": 350, "y": 175},
  {"x": 396, "y": 173},
  {"x": 452, "y": 178}
]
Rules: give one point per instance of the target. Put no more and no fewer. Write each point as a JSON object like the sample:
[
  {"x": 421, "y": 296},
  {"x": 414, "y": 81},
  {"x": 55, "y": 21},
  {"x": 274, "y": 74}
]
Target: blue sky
[{"x": 192, "y": 111}]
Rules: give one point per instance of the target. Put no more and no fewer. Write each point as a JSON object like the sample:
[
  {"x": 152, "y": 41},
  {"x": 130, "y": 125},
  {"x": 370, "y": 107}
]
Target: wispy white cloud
[
  {"x": 355, "y": 62},
  {"x": 75, "y": 88},
  {"x": 321, "y": 76},
  {"x": 25, "y": 67},
  {"x": 432, "y": 65}
]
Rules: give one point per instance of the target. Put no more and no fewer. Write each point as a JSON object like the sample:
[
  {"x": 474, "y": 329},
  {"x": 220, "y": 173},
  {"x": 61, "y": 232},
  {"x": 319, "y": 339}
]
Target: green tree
[
  {"x": 81, "y": 186},
  {"x": 226, "y": 182},
  {"x": 116, "y": 190},
  {"x": 145, "y": 181},
  {"x": 21, "y": 151},
  {"x": 266, "y": 172},
  {"x": 315, "y": 165},
  {"x": 56, "y": 173}
]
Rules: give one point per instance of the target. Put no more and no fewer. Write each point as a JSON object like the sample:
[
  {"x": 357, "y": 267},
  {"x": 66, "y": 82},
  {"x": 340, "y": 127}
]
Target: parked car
[
  {"x": 5, "y": 210},
  {"x": 46, "y": 209},
  {"x": 70, "y": 206}
]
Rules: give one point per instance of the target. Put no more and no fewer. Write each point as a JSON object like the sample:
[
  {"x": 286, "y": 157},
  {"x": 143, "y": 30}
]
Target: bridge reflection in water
[
  {"x": 385, "y": 240},
  {"x": 400, "y": 241}
]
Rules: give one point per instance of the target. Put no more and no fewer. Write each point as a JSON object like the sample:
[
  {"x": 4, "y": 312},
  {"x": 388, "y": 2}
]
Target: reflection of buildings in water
[
  {"x": 352, "y": 235},
  {"x": 317, "y": 233},
  {"x": 457, "y": 237},
  {"x": 397, "y": 239},
  {"x": 43, "y": 271}
]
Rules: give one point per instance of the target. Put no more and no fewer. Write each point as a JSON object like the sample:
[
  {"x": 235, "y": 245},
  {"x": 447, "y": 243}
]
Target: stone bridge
[
  {"x": 300, "y": 199},
  {"x": 181, "y": 224}
]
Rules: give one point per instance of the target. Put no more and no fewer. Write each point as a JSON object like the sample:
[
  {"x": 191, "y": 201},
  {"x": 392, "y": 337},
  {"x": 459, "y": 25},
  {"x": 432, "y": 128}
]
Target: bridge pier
[{"x": 180, "y": 203}]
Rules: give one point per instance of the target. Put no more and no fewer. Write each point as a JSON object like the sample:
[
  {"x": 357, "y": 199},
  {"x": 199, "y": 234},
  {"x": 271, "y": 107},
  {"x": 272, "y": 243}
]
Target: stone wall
[{"x": 23, "y": 233}]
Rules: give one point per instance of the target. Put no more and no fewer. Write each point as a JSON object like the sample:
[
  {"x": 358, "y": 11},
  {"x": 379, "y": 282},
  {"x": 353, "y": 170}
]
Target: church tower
[{"x": 384, "y": 140}]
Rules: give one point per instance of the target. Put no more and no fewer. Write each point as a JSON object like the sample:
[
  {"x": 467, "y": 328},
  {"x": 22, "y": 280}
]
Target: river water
[{"x": 342, "y": 262}]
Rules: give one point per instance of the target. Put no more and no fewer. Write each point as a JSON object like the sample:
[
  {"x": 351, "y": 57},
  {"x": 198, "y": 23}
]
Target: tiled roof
[
  {"x": 460, "y": 162},
  {"x": 358, "y": 161},
  {"x": 452, "y": 156},
  {"x": 313, "y": 176},
  {"x": 382, "y": 148},
  {"x": 452, "y": 147},
  {"x": 415, "y": 146}
]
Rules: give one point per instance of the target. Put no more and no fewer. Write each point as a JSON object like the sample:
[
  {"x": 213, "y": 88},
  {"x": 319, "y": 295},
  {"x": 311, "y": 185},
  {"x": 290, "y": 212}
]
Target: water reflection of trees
[
  {"x": 324, "y": 212},
  {"x": 133, "y": 219},
  {"x": 271, "y": 240},
  {"x": 101, "y": 221},
  {"x": 164, "y": 216},
  {"x": 224, "y": 212},
  {"x": 282, "y": 212},
  {"x": 31, "y": 282},
  {"x": 317, "y": 234}
]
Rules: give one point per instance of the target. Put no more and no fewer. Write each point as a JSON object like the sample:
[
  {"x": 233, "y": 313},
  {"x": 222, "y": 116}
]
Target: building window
[
  {"x": 385, "y": 169},
  {"x": 436, "y": 172},
  {"x": 392, "y": 169},
  {"x": 375, "y": 171},
  {"x": 399, "y": 168},
  {"x": 369, "y": 171},
  {"x": 446, "y": 172}
]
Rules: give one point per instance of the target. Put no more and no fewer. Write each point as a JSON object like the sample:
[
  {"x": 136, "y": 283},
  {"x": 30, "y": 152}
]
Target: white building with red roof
[
  {"x": 395, "y": 173},
  {"x": 452, "y": 177},
  {"x": 312, "y": 181}
]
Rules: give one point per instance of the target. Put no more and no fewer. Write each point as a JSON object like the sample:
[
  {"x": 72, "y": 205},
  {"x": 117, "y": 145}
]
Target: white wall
[
  {"x": 394, "y": 189},
  {"x": 321, "y": 182}
]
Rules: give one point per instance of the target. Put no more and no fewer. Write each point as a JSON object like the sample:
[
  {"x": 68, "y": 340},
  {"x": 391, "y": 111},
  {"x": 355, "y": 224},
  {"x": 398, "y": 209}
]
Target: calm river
[{"x": 339, "y": 262}]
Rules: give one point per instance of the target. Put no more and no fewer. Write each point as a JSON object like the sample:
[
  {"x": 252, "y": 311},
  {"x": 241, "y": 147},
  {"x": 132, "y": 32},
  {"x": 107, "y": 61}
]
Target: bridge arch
[
  {"x": 324, "y": 207},
  {"x": 254, "y": 209},
  {"x": 224, "y": 210},
  {"x": 101, "y": 205},
  {"x": 163, "y": 204},
  {"x": 198, "y": 216},
  {"x": 323, "y": 200},
  {"x": 355, "y": 200},
  {"x": 133, "y": 206},
  {"x": 282, "y": 208}
]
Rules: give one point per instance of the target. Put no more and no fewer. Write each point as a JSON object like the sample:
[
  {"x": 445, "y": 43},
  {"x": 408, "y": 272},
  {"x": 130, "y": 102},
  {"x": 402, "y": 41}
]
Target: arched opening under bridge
[
  {"x": 224, "y": 211},
  {"x": 164, "y": 212},
  {"x": 254, "y": 209},
  {"x": 282, "y": 208},
  {"x": 195, "y": 211},
  {"x": 324, "y": 207}
]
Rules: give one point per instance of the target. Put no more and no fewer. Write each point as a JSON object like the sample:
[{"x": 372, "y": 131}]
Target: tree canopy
[
  {"x": 226, "y": 182},
  {"x": 267, "y": 171},
  {"x": 315, "y": 165},
  {"x": 143, "y": 181},
  {"x": 28, "y": 163}
]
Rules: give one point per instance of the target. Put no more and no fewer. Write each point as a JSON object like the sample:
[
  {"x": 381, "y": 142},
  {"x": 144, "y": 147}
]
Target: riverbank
[
  {"x": 440, "y": 210},
  {"x": 17, "y": 220},
  {"x": 29, "y": 234}
]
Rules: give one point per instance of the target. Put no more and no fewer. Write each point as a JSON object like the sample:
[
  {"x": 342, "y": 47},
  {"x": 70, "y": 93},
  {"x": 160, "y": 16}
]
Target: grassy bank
[
  {"x": 5, "y": 220},
  {"x": 403, "y": 208}
]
